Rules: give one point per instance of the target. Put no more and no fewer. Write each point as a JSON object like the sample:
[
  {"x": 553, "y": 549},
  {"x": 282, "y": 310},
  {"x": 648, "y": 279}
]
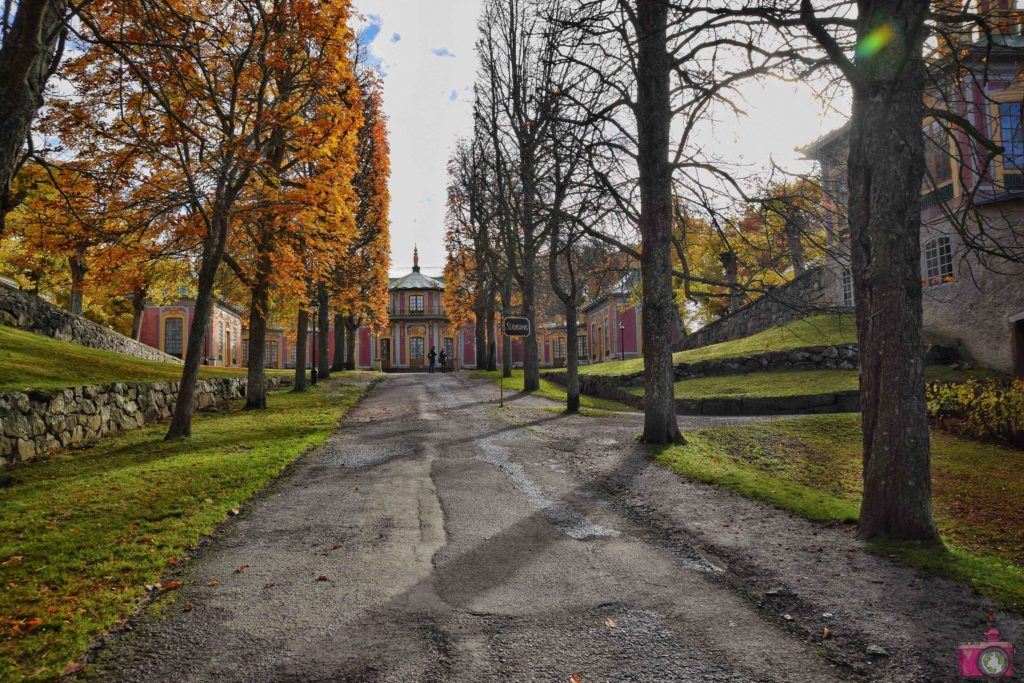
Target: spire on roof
[{"x": 415, "y": 259}]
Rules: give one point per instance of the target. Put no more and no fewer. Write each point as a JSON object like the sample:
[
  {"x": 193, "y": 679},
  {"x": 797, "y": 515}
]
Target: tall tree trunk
[
  {"x": 301, "y": 342},
  {"x": 506, "y": 341},
  {"x": 531, "y": 352},
  {"x": 324, "y": 331},
  {"x": 654, "y": 118},
  {"x": 30, "y": 51},
  {"x": 728, "y": 260},
  {"x": 351, "y": 328},
  {"x": 491, "y": 350},
  {"x": 480, "y": 337},
  {"x": 138, "y": 311},
  {"x": 886, "y": 165},
  {"x": 213, "y": 254},
  {"x": 339, "y": 343},
  {"x": 78, "y": 268},
  {"x": 794, "y": 227},
  {"x": 572, "y": 359},
  {"x": 256, "y": 387}
]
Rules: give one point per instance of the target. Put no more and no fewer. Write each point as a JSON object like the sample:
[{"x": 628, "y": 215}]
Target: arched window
[
  {"x": 938, "y": 260},
  {"x": 174, "y": 329}
]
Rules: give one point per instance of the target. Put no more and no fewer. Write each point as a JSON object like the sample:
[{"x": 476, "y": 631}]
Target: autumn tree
[
  {"x": 191, "y": 88},
  {"x": 300, "y": 197},
  {"x": 33, "y": 33}
]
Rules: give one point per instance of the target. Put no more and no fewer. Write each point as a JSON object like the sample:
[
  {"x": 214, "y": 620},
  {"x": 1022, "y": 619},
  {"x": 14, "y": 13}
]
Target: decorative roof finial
[{"x": 415, "y": 259}]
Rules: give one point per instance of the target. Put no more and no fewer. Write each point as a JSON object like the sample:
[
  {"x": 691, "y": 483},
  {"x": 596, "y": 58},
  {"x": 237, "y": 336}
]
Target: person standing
[
  {"x": 443, "y": 357},
  {"x": 431, "y": 358}
]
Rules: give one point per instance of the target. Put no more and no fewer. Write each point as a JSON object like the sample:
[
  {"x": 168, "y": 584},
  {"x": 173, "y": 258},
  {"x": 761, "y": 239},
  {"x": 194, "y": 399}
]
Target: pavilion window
[
  {"x": 938, "y": 259},
  {"x": 416, "y": 303},
  {"x": 1012, "y": 136},
  {"x": 174, "y": 336},
  {"x": 847, "y": 284}
]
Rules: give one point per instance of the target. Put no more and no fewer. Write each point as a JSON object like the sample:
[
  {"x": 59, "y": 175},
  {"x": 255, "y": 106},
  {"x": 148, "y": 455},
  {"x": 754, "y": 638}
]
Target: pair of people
[{"x": 433, "y": 357}]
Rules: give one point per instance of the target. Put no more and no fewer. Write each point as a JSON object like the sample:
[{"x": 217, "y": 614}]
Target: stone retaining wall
[
  {"x": 811, "y": 292},
  {"x": 35, "y": 423},
  {"x": 841, "y": 402},
  {"x": 839, "y": 357},
  {"x": 28, "y": 312}
]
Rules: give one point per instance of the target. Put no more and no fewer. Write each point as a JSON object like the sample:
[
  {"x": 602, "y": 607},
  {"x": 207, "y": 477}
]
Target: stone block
[{"x": 25, "y": 450}]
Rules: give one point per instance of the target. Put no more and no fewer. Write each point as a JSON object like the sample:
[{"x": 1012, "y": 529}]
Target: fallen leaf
[
  {"x": 609, "y": 622},
  {"x": 575, "y": 678},
  {"x": 826, "y": 633},
  {"x": 73, "y": 668},
  {"x": 171, "y": 586},
  {"x": 241, "y": 569},
  {"x": 336, "y": 546},
  {"x": 13, "y": 560},
  {"x": 269, "y": 585},
  {"x": 787, "y": 617},
  {"x": 214, "y": 583},
  {"x": 172, "y": 561},
  {"x": 187, "y": 608},
  {"x": 234, "y": 511},
  {"x": 322, "y": 578},
  {"x": 33, "y": 623},
  {"x": 989, "y": 616}
]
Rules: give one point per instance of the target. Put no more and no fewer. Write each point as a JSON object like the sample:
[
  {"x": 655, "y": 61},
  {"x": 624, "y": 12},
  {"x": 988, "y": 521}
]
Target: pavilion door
[
  {"x": 385, "y": 354},
  {"x": 416, "y": 352}
]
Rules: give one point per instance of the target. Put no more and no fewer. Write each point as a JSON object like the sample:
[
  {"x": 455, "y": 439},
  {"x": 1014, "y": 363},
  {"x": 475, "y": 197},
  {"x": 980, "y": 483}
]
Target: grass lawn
[
  {"x": 812, "y": 466},
  {"x": 33, "y": 361},
  {"x": 793, "y": 383},
  {"x": 550, "y": 390},
  {"x": 819, "y": 330},
  {"x": 82, "y": 533}
]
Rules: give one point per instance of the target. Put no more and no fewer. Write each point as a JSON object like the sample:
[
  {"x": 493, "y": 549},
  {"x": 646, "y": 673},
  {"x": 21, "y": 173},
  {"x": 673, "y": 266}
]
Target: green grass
[
  {"x": 82, "y": 533},
  {"x": 549, "y": 390},
  {"x": 33, "y": 361},
  {"x": 819, "y": 330},
  {"x": 792, "y": 383},
  {"x": 812, "y": 466}
]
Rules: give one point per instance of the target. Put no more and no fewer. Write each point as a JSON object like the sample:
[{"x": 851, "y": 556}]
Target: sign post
[{"x": 512, "y": 327}]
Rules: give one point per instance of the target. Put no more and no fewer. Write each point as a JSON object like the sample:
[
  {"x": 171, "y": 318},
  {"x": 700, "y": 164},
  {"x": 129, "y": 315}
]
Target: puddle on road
[{"x": 561, "y": 516}]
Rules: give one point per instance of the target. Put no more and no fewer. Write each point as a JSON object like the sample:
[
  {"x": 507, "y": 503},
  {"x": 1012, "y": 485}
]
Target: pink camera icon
[{"x": 992, "y": 658}]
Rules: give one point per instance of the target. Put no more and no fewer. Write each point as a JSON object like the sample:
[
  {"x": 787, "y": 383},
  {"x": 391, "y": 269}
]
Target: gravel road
[{"x": 437, "y": 538}]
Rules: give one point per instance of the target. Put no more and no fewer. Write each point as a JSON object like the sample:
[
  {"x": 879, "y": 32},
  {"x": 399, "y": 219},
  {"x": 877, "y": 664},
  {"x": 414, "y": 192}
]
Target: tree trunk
[
  {"x": 491, "y": 348},
  {"x": 301, "y": 342},
  {"x": 506, "y": 341},
  {"x": 728, "y": 260},
  {"x": 138, "y": 311},
  {"x": 78, "y": 268},
  {"x": 572, "y": 360},
  {"x": 339, "y": 343},
  {"x": 213, "y": 254},
  {"x": 30, "y": 48},
  {"x": 324, "y": 330},
  {"x": 794, "y": 228},
  {"x": 886, "y": 165},
  {"x": 256, "y": 387},
  {"x": 653, "y": 118},
  {"x": 480, "y": 338},
  {"x": 531, "y": 352},
  {"x": 351, "y": 327}
]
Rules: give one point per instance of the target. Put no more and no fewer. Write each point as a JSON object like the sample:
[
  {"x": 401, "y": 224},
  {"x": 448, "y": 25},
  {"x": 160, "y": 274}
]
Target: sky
[{"x": 424, "y": 50}]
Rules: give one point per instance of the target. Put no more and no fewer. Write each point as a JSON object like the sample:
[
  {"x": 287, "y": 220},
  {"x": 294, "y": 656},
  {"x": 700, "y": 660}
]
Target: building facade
[
  {"x": 972, "y": 209},
  {"x": 166, "y": 328}
]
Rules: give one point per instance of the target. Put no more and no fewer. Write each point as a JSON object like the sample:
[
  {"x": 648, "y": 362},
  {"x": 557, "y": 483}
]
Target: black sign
[{"x": 517, "y": 327}]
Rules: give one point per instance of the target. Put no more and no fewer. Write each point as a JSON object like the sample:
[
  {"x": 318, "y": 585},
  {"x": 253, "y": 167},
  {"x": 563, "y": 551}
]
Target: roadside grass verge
[
  {"x": 812, "y": 466},
  {"x": 550, "y": 390},
  {"x": 793, "y": 383},
  {"x": 818, "y": 330},
  {"x": 82, "y": 533},
  {"x": 34, "y": 361}
]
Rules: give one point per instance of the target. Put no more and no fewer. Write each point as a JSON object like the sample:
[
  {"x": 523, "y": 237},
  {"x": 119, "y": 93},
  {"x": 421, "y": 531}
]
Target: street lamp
[
  {"x": 316, "y": 320},
  {"x": 622, "y": 337}
]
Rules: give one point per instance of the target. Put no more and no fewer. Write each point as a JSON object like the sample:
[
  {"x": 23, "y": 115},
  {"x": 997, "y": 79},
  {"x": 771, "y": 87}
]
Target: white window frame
[{"x": 938, "y": 260}]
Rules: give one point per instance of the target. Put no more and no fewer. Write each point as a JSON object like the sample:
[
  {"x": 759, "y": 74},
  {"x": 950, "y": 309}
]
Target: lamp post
[
  {"x": 313, "y": 376},
  {"x": 622, "y": 338}
]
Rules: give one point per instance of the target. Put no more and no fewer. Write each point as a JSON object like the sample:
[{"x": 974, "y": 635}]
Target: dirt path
[{"x": 434, "y": 539}]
